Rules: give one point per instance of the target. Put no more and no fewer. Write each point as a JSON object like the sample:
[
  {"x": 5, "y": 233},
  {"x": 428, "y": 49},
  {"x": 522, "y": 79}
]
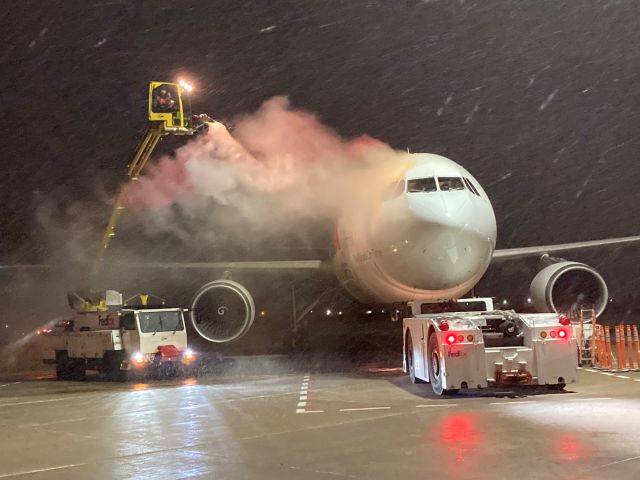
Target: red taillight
[
  {"x": 444, "y": 326},
  {"x": 562, "y": 333},
  {"x": 451, "y": 339},
  {"x": 564, "y": 320}
]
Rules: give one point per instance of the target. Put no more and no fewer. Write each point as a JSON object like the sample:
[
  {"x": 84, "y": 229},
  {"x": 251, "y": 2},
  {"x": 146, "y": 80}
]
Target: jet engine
[
  {"x": 222, "y": 311},
  {"x": 566, "y": 286}
]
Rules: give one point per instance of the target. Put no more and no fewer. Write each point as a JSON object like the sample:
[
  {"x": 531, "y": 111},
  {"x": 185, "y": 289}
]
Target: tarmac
[{"x": 287, "y": 421}]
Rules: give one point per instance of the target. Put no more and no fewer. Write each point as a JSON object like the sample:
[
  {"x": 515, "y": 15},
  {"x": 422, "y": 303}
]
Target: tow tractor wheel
[
  {"x": 410, "y": 361},
  {"x": 435, "y": 368}
]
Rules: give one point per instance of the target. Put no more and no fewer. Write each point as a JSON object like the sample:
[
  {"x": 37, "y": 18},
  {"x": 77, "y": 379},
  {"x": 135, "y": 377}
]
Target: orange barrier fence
[{"x": 627, "y": 345}]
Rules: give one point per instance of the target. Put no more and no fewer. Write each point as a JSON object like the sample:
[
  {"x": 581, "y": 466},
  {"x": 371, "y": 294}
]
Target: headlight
[
  {"x": 188, "y": 355},
  {"x": 138, "y": 359}
]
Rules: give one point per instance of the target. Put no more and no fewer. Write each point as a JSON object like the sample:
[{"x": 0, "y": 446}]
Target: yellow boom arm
[{"x": 166, "y": 117}]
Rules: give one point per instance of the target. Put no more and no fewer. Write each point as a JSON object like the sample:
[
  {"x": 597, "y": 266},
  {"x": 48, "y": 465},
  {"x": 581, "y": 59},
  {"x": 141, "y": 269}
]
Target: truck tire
[
  {"x": 409, "y": 358},
  {"x": 69, "y": 368},
  {"x": 78, "y": 369},
  {"x": 436, "y": 376},
  {"x": 62, "y": 366},
  {"x": 111, "y": 362}
]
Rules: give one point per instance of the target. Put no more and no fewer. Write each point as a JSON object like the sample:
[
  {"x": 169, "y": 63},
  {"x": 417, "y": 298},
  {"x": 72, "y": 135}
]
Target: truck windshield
[{"x": 160, "y": 321}]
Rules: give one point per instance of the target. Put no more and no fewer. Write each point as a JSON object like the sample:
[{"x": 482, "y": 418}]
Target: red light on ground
[
  {"x": 562, "y": 333},
  {"x": 451, "y": 339}
]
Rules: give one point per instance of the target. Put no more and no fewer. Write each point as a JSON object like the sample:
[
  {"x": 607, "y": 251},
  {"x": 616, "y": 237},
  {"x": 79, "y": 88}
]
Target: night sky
[{"x": 540, "y": 100}]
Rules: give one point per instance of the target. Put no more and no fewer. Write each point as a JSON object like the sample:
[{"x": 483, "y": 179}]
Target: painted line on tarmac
[
  {"x": 40, "y": 470},
  {"x": 514, "y": 403},
  {"x": 363, "y": 409},
  {"x": 7, "y": 384},
  {"x": 607, "y": 374},
  {"x": 623, "y": 376},
  {"x": 588, "y": 399},
  {"x": 438, "y": 405},
  {"x": 304, "y": 402},
  {"x": 32, "y": 402}
]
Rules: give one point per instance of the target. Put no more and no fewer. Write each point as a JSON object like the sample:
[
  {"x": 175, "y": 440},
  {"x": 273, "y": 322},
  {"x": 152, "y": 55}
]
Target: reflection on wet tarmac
[{"x": 458, "y": 432}]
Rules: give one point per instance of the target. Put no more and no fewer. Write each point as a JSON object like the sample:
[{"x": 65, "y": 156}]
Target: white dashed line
[
  {"x": 588, "y": 399},
  {"x": 591, "y": 370},
  {"x": 363, "y": 408},
  {"x": 622, "y": 376},
  {"x": 304, "y": 397},
  {"x": 32, "y": 402},
  {"x": 439, "y": 405},
  {"x": 608, "y": 374},
  {"x": 513, "y": 403},
  {"x": 7, "y": 384}
]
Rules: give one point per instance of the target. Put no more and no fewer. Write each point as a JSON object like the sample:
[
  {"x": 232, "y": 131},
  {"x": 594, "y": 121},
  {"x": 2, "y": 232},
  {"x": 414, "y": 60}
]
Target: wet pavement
[{"x": 365, "y": 422}]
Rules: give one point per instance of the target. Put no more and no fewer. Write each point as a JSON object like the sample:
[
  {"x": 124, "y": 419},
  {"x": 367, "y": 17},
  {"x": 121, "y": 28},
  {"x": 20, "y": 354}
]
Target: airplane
[{"x": 431, "y": 237}]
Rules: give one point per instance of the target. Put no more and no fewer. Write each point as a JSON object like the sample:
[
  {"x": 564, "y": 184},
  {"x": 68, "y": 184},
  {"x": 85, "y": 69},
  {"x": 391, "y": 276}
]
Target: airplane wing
[
  {"x": 281, "y": 265},
  {"x": 266, "y": 265},
  {"x": 513, "y": 253},
  {"x": 34, "y": 266}
]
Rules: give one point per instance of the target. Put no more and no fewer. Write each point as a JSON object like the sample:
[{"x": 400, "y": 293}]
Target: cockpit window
[
  {"x": 447, "y": 184},
  {"x": 416, "y": 185},
  {"x": 471, "y": 186}
]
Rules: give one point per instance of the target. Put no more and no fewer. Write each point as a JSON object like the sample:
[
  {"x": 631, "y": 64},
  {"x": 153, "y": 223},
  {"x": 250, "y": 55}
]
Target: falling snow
[{"x": 550, "y": 97}]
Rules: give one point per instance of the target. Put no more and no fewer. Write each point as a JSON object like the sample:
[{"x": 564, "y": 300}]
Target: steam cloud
[{"x": 281, "y": 168}]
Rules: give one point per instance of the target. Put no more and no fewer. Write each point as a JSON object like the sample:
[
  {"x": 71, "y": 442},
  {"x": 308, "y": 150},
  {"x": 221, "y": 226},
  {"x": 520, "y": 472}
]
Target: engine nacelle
[
  {"x": 222, "y": 311},
  {"x": 563, "y": 286}
]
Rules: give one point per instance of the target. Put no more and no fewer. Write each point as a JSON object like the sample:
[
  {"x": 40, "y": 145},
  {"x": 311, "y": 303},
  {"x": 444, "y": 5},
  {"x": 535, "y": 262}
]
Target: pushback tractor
[{"x": 454, "y": 349}]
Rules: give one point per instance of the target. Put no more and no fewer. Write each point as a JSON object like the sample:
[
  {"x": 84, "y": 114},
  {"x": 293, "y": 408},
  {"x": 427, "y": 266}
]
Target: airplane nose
[
  {"x": 447, "y": 244},
  {"x": 442, "y": 257}
]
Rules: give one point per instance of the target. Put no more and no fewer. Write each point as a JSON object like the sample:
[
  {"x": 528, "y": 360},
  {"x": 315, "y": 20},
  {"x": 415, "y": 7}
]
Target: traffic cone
[
  {"x": 636, "y": 344},
  {"x": 622, "y": 365},
  {"x": 618, "y": 349},
  {"x": 629, "y": 347},
  {"x": 607, "y": 341}
]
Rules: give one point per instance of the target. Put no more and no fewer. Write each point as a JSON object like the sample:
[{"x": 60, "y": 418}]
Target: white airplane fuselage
[{"x": 431, "y": 238}]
